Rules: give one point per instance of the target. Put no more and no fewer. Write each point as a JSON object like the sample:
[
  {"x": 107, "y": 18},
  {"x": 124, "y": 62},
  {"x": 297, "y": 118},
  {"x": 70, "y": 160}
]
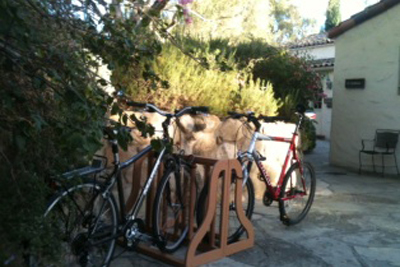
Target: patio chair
[{"x": 384, "y": 144}]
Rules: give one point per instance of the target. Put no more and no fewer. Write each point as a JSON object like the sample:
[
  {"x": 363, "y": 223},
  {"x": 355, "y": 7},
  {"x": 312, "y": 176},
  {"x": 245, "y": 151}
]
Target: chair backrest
[{"x": 386, "y": 139}]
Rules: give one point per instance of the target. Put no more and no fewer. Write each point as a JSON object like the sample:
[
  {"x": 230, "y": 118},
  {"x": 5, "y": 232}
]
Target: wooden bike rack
[{"x": 198, "y": 251}]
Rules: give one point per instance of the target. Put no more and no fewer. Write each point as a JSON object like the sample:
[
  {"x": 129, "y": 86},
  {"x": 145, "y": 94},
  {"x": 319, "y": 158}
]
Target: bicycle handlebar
[
  {"x": 135, "y": 104},
  {"x": 250, "y": 117},
  {"x": 273, "y": 118},
  {"x": 192, "y": 110},
  {"x": 178, "y": 113}
]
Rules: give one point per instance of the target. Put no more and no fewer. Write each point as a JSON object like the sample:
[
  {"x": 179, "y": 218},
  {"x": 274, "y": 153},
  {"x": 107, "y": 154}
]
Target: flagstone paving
[{"x": 354, "y": 221}]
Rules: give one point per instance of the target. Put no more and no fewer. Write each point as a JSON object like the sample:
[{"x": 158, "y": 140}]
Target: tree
[
  {"x": 274, "y": 21},
  {"x": 52, "y": 102},
  {"x": 288, "y": 24},
  {"x": 234, "y": 19},
  {"x": 333, "y": 16}
]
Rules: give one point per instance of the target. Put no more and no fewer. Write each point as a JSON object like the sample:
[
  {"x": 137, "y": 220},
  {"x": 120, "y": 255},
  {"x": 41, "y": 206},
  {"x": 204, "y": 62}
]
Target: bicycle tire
[
  {"x": 90, "y": 216},
  {"x": 290, "y": 203},
  {"x": 169, "y": 237},
  {"x": 236, "y": 229}
]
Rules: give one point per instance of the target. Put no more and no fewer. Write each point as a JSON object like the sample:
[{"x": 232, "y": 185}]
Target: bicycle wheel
[
  {"x": 171, "y": 209},
  {"x": 235, "y": 229},
  {"x": 85, "y": 222},
  {"x": 297, "y": 193}
]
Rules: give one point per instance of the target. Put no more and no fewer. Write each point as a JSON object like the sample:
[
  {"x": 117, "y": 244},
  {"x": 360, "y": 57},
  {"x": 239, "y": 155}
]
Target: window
[
  {"x": 318, "y": 96},
  {"x": 328, "y": 102},
  {"x": 318, "y": 103}
]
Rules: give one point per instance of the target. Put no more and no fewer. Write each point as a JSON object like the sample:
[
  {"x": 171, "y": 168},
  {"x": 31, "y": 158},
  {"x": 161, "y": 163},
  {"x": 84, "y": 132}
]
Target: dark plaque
[{"x": 355, "y": 83}]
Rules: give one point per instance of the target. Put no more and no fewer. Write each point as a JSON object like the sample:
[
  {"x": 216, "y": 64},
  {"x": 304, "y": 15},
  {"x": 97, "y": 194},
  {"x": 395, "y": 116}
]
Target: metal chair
[{"x": 384, "y": 144}]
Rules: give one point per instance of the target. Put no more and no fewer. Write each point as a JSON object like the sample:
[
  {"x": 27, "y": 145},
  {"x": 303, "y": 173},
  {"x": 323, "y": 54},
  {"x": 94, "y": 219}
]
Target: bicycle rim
[
  {"x": 85, "y": 223},
  {"x": 171, "y": 210},
  {"x": 297, "y": 194},
  {"x": 235, "y": 228}
]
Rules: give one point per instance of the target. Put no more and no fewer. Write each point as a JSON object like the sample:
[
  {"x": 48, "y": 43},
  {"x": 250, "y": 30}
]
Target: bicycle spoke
[{"x": 297, "y": 194}]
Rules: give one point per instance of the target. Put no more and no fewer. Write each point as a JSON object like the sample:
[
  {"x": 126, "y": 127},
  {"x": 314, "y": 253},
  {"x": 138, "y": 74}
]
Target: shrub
[
  {"x": 52, "y": 105},
  {"x": 308, "y": 136},
  {"x": 218, "y": 85}
]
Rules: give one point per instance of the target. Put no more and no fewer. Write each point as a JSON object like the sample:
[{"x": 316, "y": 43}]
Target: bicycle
[
  {"x": 86, "y": 215},
  {"x": 296, "y": 184}
]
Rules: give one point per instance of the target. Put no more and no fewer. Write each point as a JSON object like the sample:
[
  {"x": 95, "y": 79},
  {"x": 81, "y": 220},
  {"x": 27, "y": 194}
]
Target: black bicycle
[{"x": 86, "y": 218}]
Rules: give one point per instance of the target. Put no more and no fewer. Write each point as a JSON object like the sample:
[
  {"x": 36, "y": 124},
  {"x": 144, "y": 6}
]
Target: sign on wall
[{"x": 355, "y": 83}]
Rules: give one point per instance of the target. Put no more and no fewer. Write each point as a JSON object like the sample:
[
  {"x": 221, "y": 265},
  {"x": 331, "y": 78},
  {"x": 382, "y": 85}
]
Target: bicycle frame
[
  {"x": 253, "y": 156},
  {"x": 116, "y": 174}
]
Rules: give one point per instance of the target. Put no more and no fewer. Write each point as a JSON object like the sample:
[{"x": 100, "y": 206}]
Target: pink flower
[
  {"x": 185, "y": 2},
  {"x": 188, "y": 20}
]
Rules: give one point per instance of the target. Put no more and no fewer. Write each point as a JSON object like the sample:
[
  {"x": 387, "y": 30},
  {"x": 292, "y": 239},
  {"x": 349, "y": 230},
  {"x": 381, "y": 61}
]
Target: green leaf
[
  {"x": 165, "y": 84},
  {"x": 102, "y": 82},
  {"x": 125, "y": 119},
  {"x": 20, "y": 141},
  {"x": 39, "y": 121},
  {"x": 156, "y": 144},
  {"x": 115, "y": 109},
  {"x": 38, "y": 82}
]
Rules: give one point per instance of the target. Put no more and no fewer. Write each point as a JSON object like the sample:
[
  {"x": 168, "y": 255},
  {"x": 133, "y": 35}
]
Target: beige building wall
[{"x": 370, "y": 50}]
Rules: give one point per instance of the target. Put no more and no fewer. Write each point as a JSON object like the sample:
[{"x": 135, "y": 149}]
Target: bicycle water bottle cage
[{"x": 261, "y": 157}]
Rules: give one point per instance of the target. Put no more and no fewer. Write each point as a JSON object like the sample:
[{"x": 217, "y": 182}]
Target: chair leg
[
  {"x": 395, "y": 161},
  {"x": 383, "y": 165},
  {"x": 373, "y": 162},
  {"x": 359, "y": 163}
]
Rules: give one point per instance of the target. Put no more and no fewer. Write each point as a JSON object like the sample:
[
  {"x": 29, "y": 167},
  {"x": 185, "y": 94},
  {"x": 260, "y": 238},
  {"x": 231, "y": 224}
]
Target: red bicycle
[{"x": 294, "y": 190}]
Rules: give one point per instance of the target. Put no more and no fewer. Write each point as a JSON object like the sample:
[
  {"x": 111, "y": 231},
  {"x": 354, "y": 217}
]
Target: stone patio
[{"x": 354, "y": 221}]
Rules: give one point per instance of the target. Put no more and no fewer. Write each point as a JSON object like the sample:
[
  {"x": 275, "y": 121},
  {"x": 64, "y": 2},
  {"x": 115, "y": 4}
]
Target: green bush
[
  {"x": 218, "y": 85},
  {"x": 308, "y": 136},
  {"x": 52, "y": 106},
  {"x": 226, "y": 77}
]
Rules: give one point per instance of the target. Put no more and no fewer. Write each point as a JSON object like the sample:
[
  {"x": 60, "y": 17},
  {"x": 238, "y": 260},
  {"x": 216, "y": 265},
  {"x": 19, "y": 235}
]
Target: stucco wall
[{"x": 370, "y": 50}]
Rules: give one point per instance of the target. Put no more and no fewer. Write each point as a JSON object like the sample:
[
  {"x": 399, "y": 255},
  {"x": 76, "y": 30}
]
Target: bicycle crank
[
  {"x": 267, "y": 199},
  {"x": 134, "y": 232}
]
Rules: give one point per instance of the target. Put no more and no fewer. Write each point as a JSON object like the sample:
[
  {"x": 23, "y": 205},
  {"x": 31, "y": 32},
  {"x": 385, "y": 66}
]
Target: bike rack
[{"x": 199, "y": 250}]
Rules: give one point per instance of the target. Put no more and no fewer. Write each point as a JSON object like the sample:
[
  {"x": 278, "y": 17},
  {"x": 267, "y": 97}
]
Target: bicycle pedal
[{"x": 267, "y": 199}]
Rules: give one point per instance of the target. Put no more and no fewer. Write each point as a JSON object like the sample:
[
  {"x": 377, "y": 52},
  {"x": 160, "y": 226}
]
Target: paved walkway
[{"x": 354, "y": 221}]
